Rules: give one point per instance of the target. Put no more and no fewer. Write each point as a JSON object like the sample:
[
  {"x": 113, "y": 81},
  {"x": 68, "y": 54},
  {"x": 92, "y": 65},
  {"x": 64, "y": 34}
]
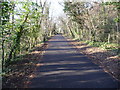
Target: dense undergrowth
[
  {"x": 16, "y": 75},
  {"x": 20, "y": 58}
]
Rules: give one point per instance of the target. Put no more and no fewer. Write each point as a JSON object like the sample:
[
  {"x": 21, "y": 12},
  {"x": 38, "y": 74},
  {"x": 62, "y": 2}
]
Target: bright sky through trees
[
  {"x": 56, "y": 8},
  {"x": 27, "y": 24}
]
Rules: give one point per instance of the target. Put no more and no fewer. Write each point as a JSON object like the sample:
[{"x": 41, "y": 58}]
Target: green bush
[{"x": 104, "y": 45}]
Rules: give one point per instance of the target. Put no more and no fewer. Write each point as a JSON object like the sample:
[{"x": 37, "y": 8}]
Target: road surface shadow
[{"x": 63, "y": 67}]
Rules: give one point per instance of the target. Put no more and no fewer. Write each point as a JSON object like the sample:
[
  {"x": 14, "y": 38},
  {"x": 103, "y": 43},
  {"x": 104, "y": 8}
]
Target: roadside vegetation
[
  {"x": 25, "y": 26},
  {"x": 95, "y": 29},
  {"x": 98, "y": 24}
]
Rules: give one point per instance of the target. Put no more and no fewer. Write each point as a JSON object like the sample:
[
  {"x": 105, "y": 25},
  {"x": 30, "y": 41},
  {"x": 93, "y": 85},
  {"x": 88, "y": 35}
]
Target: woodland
[{"x": 25, "y": 24}]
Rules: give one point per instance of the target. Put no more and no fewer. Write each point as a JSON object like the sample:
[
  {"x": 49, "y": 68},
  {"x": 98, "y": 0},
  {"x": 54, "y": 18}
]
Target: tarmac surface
[{"x": 64, "y": 67}]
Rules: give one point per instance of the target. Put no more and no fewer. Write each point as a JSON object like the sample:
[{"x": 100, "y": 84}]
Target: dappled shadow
[
  {"x": 72, "y": 71},
  {"x": 105, "y": 58},
  {"x": 19, "y": 70},
  {"x": 60, "y": 41},
  {"x": 109, "y": 62},
  {"x": 63, "y": 67},
  {"x": 40, "y": 48}
]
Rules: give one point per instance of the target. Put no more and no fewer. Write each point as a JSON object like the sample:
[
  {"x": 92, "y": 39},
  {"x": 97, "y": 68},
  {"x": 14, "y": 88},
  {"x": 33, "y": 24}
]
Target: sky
[{"x": 56, "y": 9}]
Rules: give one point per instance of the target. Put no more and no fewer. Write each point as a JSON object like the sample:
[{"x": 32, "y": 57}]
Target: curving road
[{"x": 63, "y": 67}]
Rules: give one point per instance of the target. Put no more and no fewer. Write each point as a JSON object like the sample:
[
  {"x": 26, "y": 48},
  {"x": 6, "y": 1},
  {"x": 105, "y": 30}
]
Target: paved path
[{"x": 63, "y": 67}]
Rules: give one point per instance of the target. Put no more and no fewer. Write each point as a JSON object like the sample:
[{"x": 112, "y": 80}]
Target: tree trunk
[
  {"x": 3, "y": 60},
  {"x": 17, "y": 41},
  {"x": 118, "y": 28}
]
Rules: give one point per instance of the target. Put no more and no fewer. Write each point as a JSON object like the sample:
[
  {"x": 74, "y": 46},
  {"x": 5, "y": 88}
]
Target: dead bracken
[
  {"x": 108, "y": 60},
  {"x": 24, "y": 69}
]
